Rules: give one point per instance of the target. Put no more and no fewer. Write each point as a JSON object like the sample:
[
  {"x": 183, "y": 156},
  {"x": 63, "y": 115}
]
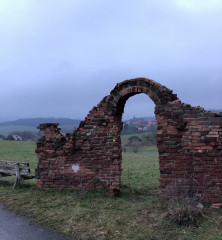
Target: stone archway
[{"x": 189, "y": 139}]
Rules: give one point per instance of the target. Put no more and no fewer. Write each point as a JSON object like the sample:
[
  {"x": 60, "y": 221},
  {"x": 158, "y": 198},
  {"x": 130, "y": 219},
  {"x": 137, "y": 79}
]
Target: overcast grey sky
[{"x": 59, "y": 58}]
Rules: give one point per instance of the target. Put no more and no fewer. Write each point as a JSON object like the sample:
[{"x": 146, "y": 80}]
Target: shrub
[
  {"x": 183, "y": 210},
  {"x": 182, "y": 206},
  {"x": 2, "y": 137},
  {"x": 135, "y": 148},
  {"x": 134, "y": 139},
  {"x": 10, "y": 137}
]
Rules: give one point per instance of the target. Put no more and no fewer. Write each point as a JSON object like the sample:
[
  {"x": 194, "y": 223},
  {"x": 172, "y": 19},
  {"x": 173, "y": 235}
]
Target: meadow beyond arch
[{"x": 189, "y": 141}]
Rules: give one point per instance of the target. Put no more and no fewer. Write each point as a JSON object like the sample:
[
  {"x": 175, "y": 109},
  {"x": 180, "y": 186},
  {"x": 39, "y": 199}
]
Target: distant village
[{"x": 141, "y": 124}]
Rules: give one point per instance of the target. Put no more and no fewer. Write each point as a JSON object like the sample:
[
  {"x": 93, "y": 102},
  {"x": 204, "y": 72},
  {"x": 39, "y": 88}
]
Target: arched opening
[
  {"x": 115, "y": 102},
  {"x": 140, "y": 163}
]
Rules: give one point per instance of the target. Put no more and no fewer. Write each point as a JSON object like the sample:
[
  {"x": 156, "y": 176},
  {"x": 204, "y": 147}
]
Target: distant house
[
  {"x": 143, "y": 125},
  {"x": 17, "y": 138}
]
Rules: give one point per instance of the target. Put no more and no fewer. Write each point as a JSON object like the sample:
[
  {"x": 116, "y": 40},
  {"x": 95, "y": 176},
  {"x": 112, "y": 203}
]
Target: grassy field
[{"x": 139, "y": 213}]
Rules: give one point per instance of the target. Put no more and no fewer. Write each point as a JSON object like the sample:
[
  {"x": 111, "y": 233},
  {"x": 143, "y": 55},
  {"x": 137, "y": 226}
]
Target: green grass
[
  {"x": 140, "y": 168},
  {"x": 19, "y": 151},
  {"x": 137, "y": 214}
]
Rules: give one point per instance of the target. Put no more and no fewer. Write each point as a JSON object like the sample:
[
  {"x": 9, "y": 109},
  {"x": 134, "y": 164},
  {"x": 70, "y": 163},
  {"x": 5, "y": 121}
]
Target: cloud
[
  {"x": 67, "y": 55},
  {"x": 199, "y": 6}
]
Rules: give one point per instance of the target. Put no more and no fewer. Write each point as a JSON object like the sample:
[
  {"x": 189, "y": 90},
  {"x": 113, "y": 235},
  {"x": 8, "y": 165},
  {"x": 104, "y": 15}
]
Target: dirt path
[{"x": 13, "y": 227}]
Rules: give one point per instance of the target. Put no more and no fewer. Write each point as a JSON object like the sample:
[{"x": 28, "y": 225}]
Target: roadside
[{"x": 13, "y": 227}]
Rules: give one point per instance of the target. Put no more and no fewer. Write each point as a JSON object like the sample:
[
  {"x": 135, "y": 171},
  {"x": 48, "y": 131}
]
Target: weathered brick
[{"x": 189, "y": 141}]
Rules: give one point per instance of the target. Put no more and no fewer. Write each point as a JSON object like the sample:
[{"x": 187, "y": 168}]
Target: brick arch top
[{"x": 124, "y": 90}]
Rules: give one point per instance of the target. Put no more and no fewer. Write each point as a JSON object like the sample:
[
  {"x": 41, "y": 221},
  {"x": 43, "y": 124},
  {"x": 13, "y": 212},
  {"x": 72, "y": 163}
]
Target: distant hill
[
  {"x": 30, "y": 124},
  {"x": 215, "y": 110},
  {"x": 146, "y": 118},
  {"x": 34, "y": 122}
]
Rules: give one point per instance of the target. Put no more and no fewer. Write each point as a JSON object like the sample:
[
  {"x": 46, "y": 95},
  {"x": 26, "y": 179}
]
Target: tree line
[{"x": 21, "y": 136}]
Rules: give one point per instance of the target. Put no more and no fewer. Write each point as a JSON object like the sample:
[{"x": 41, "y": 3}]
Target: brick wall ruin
[{"x": 189, "y": 141}]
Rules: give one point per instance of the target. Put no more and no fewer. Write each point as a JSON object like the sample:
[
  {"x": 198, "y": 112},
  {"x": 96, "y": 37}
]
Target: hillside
[
  {"x": 30, "y": 124},
  {"x": 33, "y": 122}
]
